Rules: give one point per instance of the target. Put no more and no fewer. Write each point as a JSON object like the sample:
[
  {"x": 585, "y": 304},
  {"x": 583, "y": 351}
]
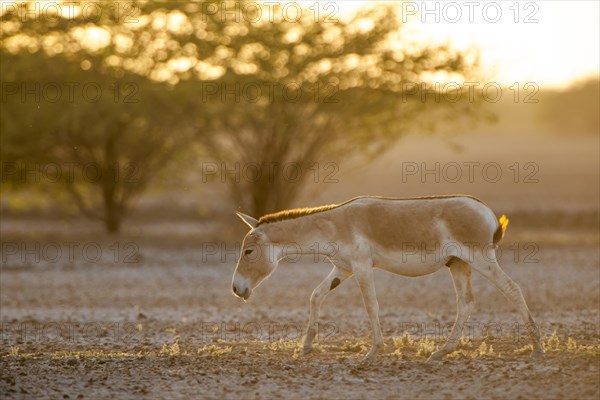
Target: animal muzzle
[{"x": 241, "y": 291}]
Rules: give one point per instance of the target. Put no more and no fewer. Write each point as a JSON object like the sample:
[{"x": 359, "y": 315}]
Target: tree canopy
[{"x": 249, "y": 84}]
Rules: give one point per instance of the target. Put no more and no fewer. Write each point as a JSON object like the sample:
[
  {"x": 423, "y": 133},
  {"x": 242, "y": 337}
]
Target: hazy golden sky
[
  {"x": 558, "y": 45},
  {"x": 552, "y": 43}
]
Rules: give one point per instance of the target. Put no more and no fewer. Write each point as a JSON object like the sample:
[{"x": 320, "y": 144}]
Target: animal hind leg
[
  {"x": 461, "y": 277},
  {"x": 511, "y": 290},
  {"x": 334, "y": 279}
]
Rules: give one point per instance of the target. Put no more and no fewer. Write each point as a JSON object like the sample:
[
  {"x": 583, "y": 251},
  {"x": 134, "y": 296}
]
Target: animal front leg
[
  {"x": 461, "y": 276},
  {"x": 333, "y": 280},
  {"x": 364, "y": 278}
]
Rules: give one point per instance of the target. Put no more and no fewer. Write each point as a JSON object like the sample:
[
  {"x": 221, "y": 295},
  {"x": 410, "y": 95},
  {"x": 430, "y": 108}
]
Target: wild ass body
[{"x": 405, "y": 236}]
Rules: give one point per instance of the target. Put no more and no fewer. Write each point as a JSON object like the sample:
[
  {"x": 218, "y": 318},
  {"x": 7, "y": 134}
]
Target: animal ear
[{"x": 251, "y": 222}]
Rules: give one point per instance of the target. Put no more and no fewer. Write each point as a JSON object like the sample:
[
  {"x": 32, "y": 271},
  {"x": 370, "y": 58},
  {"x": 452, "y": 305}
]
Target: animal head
[{"x": 258, "y": 259}]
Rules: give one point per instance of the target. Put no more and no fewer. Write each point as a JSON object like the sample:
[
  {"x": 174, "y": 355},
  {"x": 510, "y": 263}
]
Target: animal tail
[{"x": 502, "y": 224}]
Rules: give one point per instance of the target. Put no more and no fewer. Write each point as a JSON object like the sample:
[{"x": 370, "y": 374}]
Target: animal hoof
[
  {"x": 370, "y": 357},
  {"x": 537, "y": 353},
  {"x": 306, "y": 350},
  {"x": 436, "y": 356}
]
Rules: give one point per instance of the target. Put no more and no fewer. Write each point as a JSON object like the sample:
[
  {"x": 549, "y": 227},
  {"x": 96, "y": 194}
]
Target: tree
[
  {"x": 306, "y": 89},
  {"x": 293, "y": 93},
  {"x": 106, "y": 130}
]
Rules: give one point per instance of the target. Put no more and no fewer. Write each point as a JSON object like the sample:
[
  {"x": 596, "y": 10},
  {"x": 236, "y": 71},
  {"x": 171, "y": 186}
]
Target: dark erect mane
[
  {"x": 294, "y": 213},
  {"x": 301, "y": 212}
]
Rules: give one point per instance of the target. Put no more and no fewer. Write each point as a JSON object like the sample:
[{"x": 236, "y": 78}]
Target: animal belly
[{"x": 409, "y": 264}]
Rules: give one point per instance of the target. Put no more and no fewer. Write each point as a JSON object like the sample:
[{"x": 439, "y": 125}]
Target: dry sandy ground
[{"x": 167, "y": 325}]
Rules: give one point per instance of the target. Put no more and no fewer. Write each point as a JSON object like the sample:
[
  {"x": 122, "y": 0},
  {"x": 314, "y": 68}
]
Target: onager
[{"x": 392, "y": 234}]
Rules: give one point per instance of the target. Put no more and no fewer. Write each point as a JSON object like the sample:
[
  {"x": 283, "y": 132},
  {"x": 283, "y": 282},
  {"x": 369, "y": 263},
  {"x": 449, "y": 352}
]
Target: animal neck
[{"x": 300, "y": 236}]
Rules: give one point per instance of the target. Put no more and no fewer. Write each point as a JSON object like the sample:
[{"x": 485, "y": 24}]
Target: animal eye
[{"x": 248, "y": 251}]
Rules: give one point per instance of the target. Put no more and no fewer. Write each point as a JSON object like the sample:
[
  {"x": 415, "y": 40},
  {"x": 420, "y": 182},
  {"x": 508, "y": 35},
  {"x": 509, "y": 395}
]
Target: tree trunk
[
  {"x": 110, "y": 182},
  {"x": 112, "y": 216},
  {"x": 112, "y": 224}
]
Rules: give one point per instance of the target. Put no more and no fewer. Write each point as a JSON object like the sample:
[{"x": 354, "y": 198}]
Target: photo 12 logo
[
  {"x": 69, "y": 172},
  {"x": 291, "y": 252},
  {"x": 69, "y": 331},
  {"x": 471, "y": 11},
  {"x": 252, "y": 172},
  {"x": 452, "y": 92},
  {"x": 269, "y": 331},
  {"x": 419, "y": 252},
  {"x": 270, "y": 11},
  {"x": 469, "y": 172},
  {"x": 69, "y": 92},
  {"x": 254, "y": 92},
  {"x": 69, "y": 252},
  {"x": 125, "y": 12},
  {"x": 472, "y": 330}
]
